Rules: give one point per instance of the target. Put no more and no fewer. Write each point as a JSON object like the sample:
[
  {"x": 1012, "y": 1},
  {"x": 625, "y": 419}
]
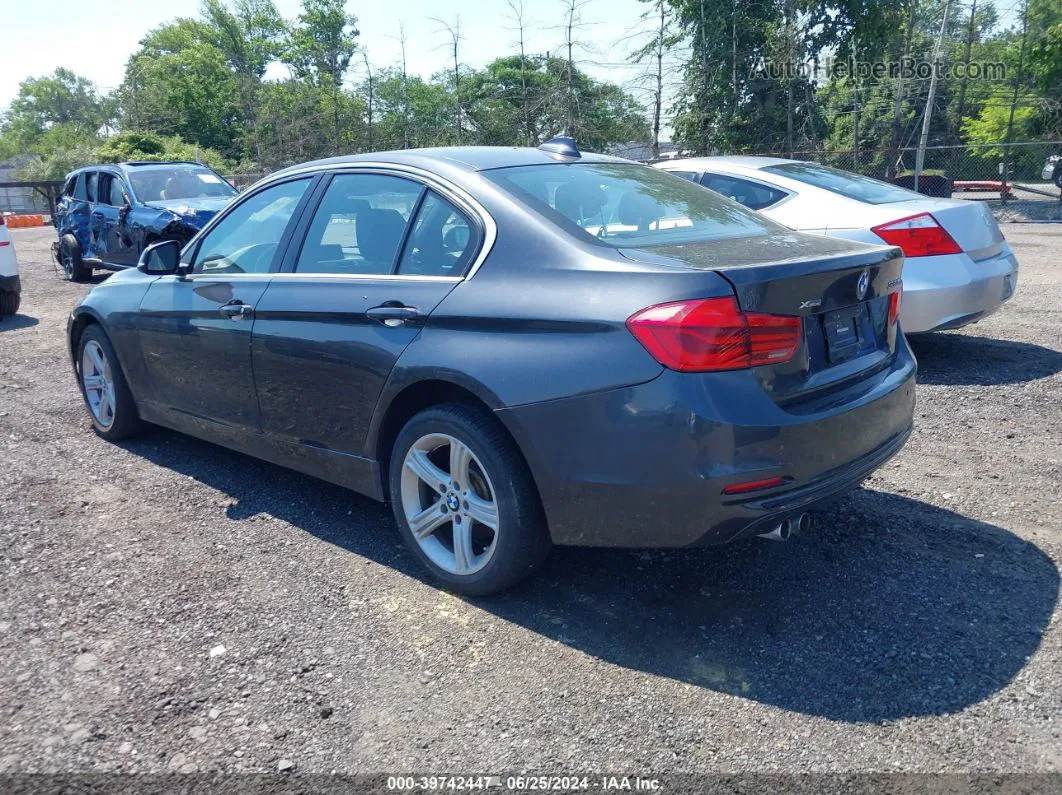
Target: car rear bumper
[
  {"x": 954, "y": 290},
  {"x": 645, "y": 466}
]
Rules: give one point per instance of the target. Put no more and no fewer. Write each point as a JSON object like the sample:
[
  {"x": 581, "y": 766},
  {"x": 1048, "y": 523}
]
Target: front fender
[{"x": 115, "y": 305}]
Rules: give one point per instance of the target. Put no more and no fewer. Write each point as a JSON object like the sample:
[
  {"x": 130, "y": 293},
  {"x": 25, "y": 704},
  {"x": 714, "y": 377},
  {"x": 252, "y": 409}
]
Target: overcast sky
[{"x": 80, "y": 35}]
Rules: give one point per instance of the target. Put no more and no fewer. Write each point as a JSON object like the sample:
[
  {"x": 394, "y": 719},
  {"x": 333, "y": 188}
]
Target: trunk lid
[{"x": 838, "y": 287}]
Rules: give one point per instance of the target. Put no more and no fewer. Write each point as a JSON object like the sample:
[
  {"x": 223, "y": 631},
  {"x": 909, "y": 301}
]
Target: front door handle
[
  {"x": 237, "y": 310},
  {"x": 392, "y": 314}
]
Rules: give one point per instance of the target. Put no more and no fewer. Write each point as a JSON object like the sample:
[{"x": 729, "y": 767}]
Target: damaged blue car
[{"x": 108, "y": 214}]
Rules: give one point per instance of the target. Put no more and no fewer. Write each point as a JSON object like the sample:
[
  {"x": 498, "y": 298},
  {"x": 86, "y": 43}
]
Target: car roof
[
  {"x": 463, "y": 158},
  {"x": 753, "y": 162},
  {"x": 136, "y": 164}
]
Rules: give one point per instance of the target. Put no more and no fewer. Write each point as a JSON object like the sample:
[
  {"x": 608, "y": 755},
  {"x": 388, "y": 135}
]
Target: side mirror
[{"x": 160, "y": 259}]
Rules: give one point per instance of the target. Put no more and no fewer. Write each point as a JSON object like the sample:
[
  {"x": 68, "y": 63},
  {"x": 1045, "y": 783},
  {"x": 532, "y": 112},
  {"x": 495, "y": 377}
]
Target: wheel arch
[
  {"x": 415, "y": 397},
  {"x": 81, "y": 320}
]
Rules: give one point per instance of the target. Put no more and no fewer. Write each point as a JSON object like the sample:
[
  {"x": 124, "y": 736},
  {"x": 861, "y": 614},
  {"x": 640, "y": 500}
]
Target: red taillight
[
  {"x": 918, "y": 235},
  {"x": 714, "y": 334},
  {"x": 752, "y": 485},
  {"x": 894, "y": 305}
]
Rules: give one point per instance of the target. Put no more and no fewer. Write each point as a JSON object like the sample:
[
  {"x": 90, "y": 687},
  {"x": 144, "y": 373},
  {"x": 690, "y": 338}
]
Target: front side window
[
  {"x": 246, "y": 239},
  {"x": 751, "y": 194},
  {"x": 852, "y": 186},
  {"x": 359, "y": 225},
  {"x": 110, "y": 189},
  {"x": 626, "y": 205},
  {"x": 181, "y": 181}
]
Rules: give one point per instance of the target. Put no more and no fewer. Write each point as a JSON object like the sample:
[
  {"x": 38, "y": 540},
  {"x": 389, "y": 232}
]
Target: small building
[
  {"x": 643, "y": 152},
  {"x": 20, "y": 199}
]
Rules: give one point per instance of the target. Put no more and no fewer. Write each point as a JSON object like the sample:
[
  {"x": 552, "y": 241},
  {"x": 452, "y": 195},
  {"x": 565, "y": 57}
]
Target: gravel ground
[{"x": 167, "y": 605}]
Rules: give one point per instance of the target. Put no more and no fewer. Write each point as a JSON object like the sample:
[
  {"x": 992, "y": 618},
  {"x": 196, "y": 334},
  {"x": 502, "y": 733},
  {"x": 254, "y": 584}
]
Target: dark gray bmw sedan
[{"x": 516, "y": 348}]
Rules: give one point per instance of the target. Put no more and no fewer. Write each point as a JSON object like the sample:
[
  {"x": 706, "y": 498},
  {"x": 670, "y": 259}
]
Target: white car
[
  {"x": 10, "y": 287},
  {"x": 958, "y": 267}
]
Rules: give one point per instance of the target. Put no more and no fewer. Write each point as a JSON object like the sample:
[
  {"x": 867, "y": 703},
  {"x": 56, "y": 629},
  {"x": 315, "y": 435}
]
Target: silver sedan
[{"x": 958, "y": 266}]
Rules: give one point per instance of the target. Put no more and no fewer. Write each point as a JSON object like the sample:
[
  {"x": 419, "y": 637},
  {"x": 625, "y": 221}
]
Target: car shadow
[
  {"x": 890, "y": 608},
  {"x": 17, "y": 321},
  {"x": 949, "y": 359}
]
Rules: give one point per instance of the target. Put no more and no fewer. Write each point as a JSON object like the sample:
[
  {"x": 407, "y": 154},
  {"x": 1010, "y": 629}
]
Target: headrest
[
  {"x": 637, "y": 209},
  {"x": 578, "y": 200},
  {"x": 379, "y": 233}
]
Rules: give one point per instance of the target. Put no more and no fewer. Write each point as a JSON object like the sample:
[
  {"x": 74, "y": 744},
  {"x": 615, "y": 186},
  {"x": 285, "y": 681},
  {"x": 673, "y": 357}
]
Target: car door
[
  {"x": 195, "y": 328},
  {"x": 76, "y": 215},
  {"x": 377, "y": 256},
  {"x": 112, "y": 242}
]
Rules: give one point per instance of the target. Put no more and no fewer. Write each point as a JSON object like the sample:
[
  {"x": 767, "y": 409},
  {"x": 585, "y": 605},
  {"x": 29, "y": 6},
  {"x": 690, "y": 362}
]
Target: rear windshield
[
  {"x": 854, "y": 186},
  {"x": 178, "y": 182},
  {"x": 626, "y": 205}
]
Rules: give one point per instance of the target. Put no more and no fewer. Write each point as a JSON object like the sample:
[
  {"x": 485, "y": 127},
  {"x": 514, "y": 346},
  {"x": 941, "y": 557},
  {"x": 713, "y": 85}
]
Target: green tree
[
  {"x": 60, "y": 99},
  {"x": 319, "y": 49},
  {"x": 180, "y": 84},
  {"x": 514, "y": 98}
]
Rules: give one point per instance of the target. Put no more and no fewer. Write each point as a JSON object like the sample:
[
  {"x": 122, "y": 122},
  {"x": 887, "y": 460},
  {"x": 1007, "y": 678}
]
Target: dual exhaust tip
[{"x": 787, "y": 527}]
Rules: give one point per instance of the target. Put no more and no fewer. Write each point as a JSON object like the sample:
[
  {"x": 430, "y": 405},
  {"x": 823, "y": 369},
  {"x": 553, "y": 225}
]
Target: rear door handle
[
  {"x": 237, "y": 310},
  {"x": 392, "y": 314}
]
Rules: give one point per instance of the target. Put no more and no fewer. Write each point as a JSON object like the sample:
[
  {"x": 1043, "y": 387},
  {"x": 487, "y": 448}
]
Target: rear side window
[
  {"x": 360, "y": 225},
  {"x": 441, "y": 241},
  {"x": 90, "y": 185},
  {"x": 753, "y": 195},
  {"x": 627, "y": 205},
  {"x": 80, "y": 189},
  {"x": 852, "y": 186}
]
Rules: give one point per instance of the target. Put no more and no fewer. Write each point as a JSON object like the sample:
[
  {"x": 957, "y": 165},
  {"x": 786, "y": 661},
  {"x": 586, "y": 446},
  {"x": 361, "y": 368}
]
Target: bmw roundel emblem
[{"x": 863, "y": 285}]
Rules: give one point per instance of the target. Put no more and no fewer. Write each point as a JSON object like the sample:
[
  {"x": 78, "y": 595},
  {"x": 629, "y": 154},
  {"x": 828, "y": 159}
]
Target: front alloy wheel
[
  {"x": 103, "y": 385},
  {"x": 98, "y": 383}
]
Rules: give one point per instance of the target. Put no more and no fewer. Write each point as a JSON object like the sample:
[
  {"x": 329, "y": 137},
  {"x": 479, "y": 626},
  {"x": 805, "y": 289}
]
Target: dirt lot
[{"x": 168, "y": 605}]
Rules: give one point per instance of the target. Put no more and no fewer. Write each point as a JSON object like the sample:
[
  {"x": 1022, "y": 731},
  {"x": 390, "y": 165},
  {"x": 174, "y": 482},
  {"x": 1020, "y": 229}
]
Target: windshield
[
  {"x": 626, "y": 205},
  {"x": 854, "y": 186},
  {"x": 178, "y": 182}
]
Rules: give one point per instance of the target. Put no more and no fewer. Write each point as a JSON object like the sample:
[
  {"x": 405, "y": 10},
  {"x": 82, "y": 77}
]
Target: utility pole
[
  {"x": 953, "y": 160},
  {"x": 855, "y": 106},
  {"x": 1014, "y": 100},
  {"x": 920, "y": 157},
  {"x": 790, "y": 35},
  {"x": 897, "y": 127}
]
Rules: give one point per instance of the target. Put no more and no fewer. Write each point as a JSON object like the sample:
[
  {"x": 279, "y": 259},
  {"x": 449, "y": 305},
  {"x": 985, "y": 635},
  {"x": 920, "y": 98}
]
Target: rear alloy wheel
[
  {"x": 110, "y": 403},
  {"x": 464, "y": 500}
]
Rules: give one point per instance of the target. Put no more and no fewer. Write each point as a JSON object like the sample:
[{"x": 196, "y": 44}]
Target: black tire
[
  {"x": 70, "y": 257},
  {"x": 522, "y": 540},
  {"x": 126, "y": 420},
  {"x": 9, "y": 302}
]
